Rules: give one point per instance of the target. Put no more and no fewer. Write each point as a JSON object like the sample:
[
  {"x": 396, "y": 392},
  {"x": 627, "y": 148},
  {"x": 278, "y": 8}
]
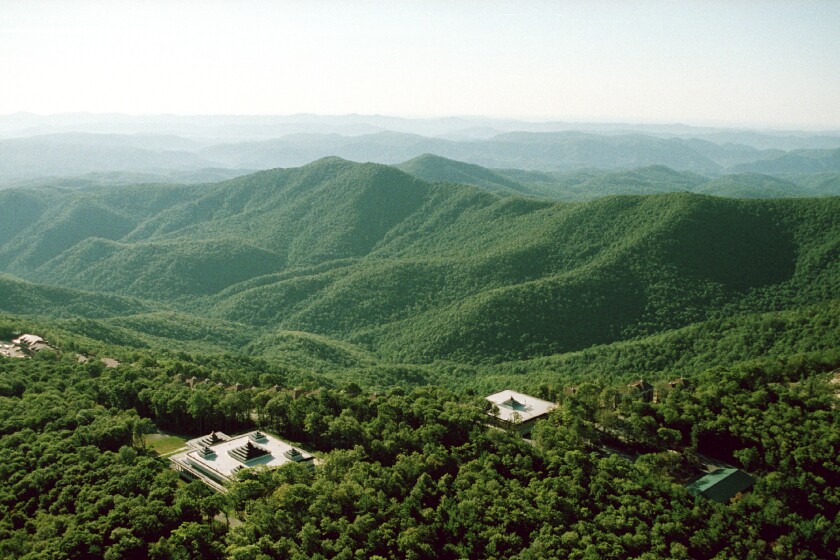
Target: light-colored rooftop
[
  {"x": 28, "y": 339},
  {"x": 224, "y": 455},
  {"x": 513, "y": 406}
]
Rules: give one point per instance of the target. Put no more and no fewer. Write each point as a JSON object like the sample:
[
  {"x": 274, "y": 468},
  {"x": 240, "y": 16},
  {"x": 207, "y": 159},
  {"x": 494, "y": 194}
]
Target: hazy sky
[{"x": 705, "y": 62}]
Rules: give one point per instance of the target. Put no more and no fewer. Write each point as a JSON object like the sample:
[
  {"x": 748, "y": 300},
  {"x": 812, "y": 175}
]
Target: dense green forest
[
  {"x": 395, "y": 299},
  {"x": 414, "y": 474}
]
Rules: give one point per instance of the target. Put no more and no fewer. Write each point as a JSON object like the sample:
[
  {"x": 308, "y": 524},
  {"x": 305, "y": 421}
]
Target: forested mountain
[
  {"x": 418, "y": 272},
  {"x": 124, "y": 178},
  {"x": 751, "y": 185},
  {"x": 412, "y": 474},
  {"x": 776, "y": 140},
  {"x": 436, "y": 169},
  {"x": 796, "y": 162},
  {"x": 394, "y": 303},
  {"x": 593, "y": 183},
  {"x": 25, "y": 298}
]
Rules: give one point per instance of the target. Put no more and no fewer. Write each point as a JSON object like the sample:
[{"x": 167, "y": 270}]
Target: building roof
[
  {"x": 228, "y": 454},
  {"x": 248, "y": 453},
  {"x": 512, "y": 405},
  {"x": 212, "y": 439},
  {"x": 641, "y": 385},
  {"x": 721, "y": 485},
  {"x": 28, "y": 339}
]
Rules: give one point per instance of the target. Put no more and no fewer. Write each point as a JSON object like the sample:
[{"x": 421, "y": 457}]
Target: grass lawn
[{"x": 164, "y": 444}]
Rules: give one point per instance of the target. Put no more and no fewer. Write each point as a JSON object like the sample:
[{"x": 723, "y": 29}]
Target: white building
[
  {"x": 29, "y": 340},
  {"x": 216, "y": 458},
  {"x": 518, "y": 411},
  {"x": 26, "y": 344}
]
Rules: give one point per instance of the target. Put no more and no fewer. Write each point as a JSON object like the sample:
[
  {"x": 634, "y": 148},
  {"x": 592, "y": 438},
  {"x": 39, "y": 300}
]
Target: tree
[{"x": 748, "y": 457}]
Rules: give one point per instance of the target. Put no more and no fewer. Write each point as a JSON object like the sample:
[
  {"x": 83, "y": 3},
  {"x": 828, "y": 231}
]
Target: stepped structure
[
  {"x": 216, "y": 458},
  {"x": 213, "y": 439},
  {"x": 248, "y": 452}
]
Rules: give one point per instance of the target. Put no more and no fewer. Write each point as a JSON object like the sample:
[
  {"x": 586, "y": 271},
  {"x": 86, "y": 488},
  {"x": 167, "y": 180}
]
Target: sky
[{"x": 768, "y": 63}]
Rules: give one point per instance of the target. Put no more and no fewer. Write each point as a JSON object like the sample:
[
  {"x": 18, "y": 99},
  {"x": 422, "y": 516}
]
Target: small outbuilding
[
  {"x": 722, "y": 485},
  {"x": 640, "y": 389}
]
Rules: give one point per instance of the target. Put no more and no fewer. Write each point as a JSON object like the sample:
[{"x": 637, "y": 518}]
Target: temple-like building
[{"x": 216, "y": 458}]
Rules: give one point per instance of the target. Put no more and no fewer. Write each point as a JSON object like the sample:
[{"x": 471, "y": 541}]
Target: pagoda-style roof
[
  {"x": 258, "y": 437},
  {"x": 248, "y": 452},
  {"x": 206, "y": 452},
  {"x": 294, "y": 455},
  {"x": 212, "y": 439},
  {"x": 215, "y": 464}
]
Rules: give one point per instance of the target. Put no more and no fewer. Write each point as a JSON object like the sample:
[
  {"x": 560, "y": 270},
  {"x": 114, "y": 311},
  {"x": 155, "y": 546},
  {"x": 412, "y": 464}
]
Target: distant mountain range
[
  {"x": 589, "y": 184},
  {"x": 238, "y": 128},
  {"x": 533, "y": 151},
  {"x": 164, "y": 157}
]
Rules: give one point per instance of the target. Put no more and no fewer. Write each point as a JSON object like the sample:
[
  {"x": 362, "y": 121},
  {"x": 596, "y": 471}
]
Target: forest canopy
[{"x": 363, "y": 313}]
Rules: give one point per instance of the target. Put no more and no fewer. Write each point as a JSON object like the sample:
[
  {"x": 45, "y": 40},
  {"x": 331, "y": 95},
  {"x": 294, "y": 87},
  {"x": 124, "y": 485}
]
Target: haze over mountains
[
  {"x": 103, "y": 149},
  {"x": 217, "y": 128}
]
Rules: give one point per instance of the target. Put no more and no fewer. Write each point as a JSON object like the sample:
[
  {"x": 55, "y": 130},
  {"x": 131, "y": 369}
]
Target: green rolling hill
[
  {"x": 436, "y": 169},
  {"x": 25, "y": 298},
  {"x": 751, "y": 185},
  {"x": 796, "y": 162},
  {"x": 407, "y": 271},
  {"x": 588, "y": 184}
]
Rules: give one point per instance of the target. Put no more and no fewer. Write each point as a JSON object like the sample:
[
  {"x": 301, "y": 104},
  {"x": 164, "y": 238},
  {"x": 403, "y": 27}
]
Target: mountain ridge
[
  {"x": 417, "y": 272},
  {"x": 42, "y": 158}
]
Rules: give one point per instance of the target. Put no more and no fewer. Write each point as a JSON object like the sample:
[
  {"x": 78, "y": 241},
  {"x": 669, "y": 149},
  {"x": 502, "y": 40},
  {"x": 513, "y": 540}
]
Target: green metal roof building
[{"x": 721, "y": 485}]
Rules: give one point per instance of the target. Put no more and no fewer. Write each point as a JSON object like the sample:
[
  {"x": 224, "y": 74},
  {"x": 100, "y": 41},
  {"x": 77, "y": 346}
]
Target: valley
[
  {"x": 414, "y": 271},
  {"x": 370, "y": 280},
  {"x": 363, "y": 311}
]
